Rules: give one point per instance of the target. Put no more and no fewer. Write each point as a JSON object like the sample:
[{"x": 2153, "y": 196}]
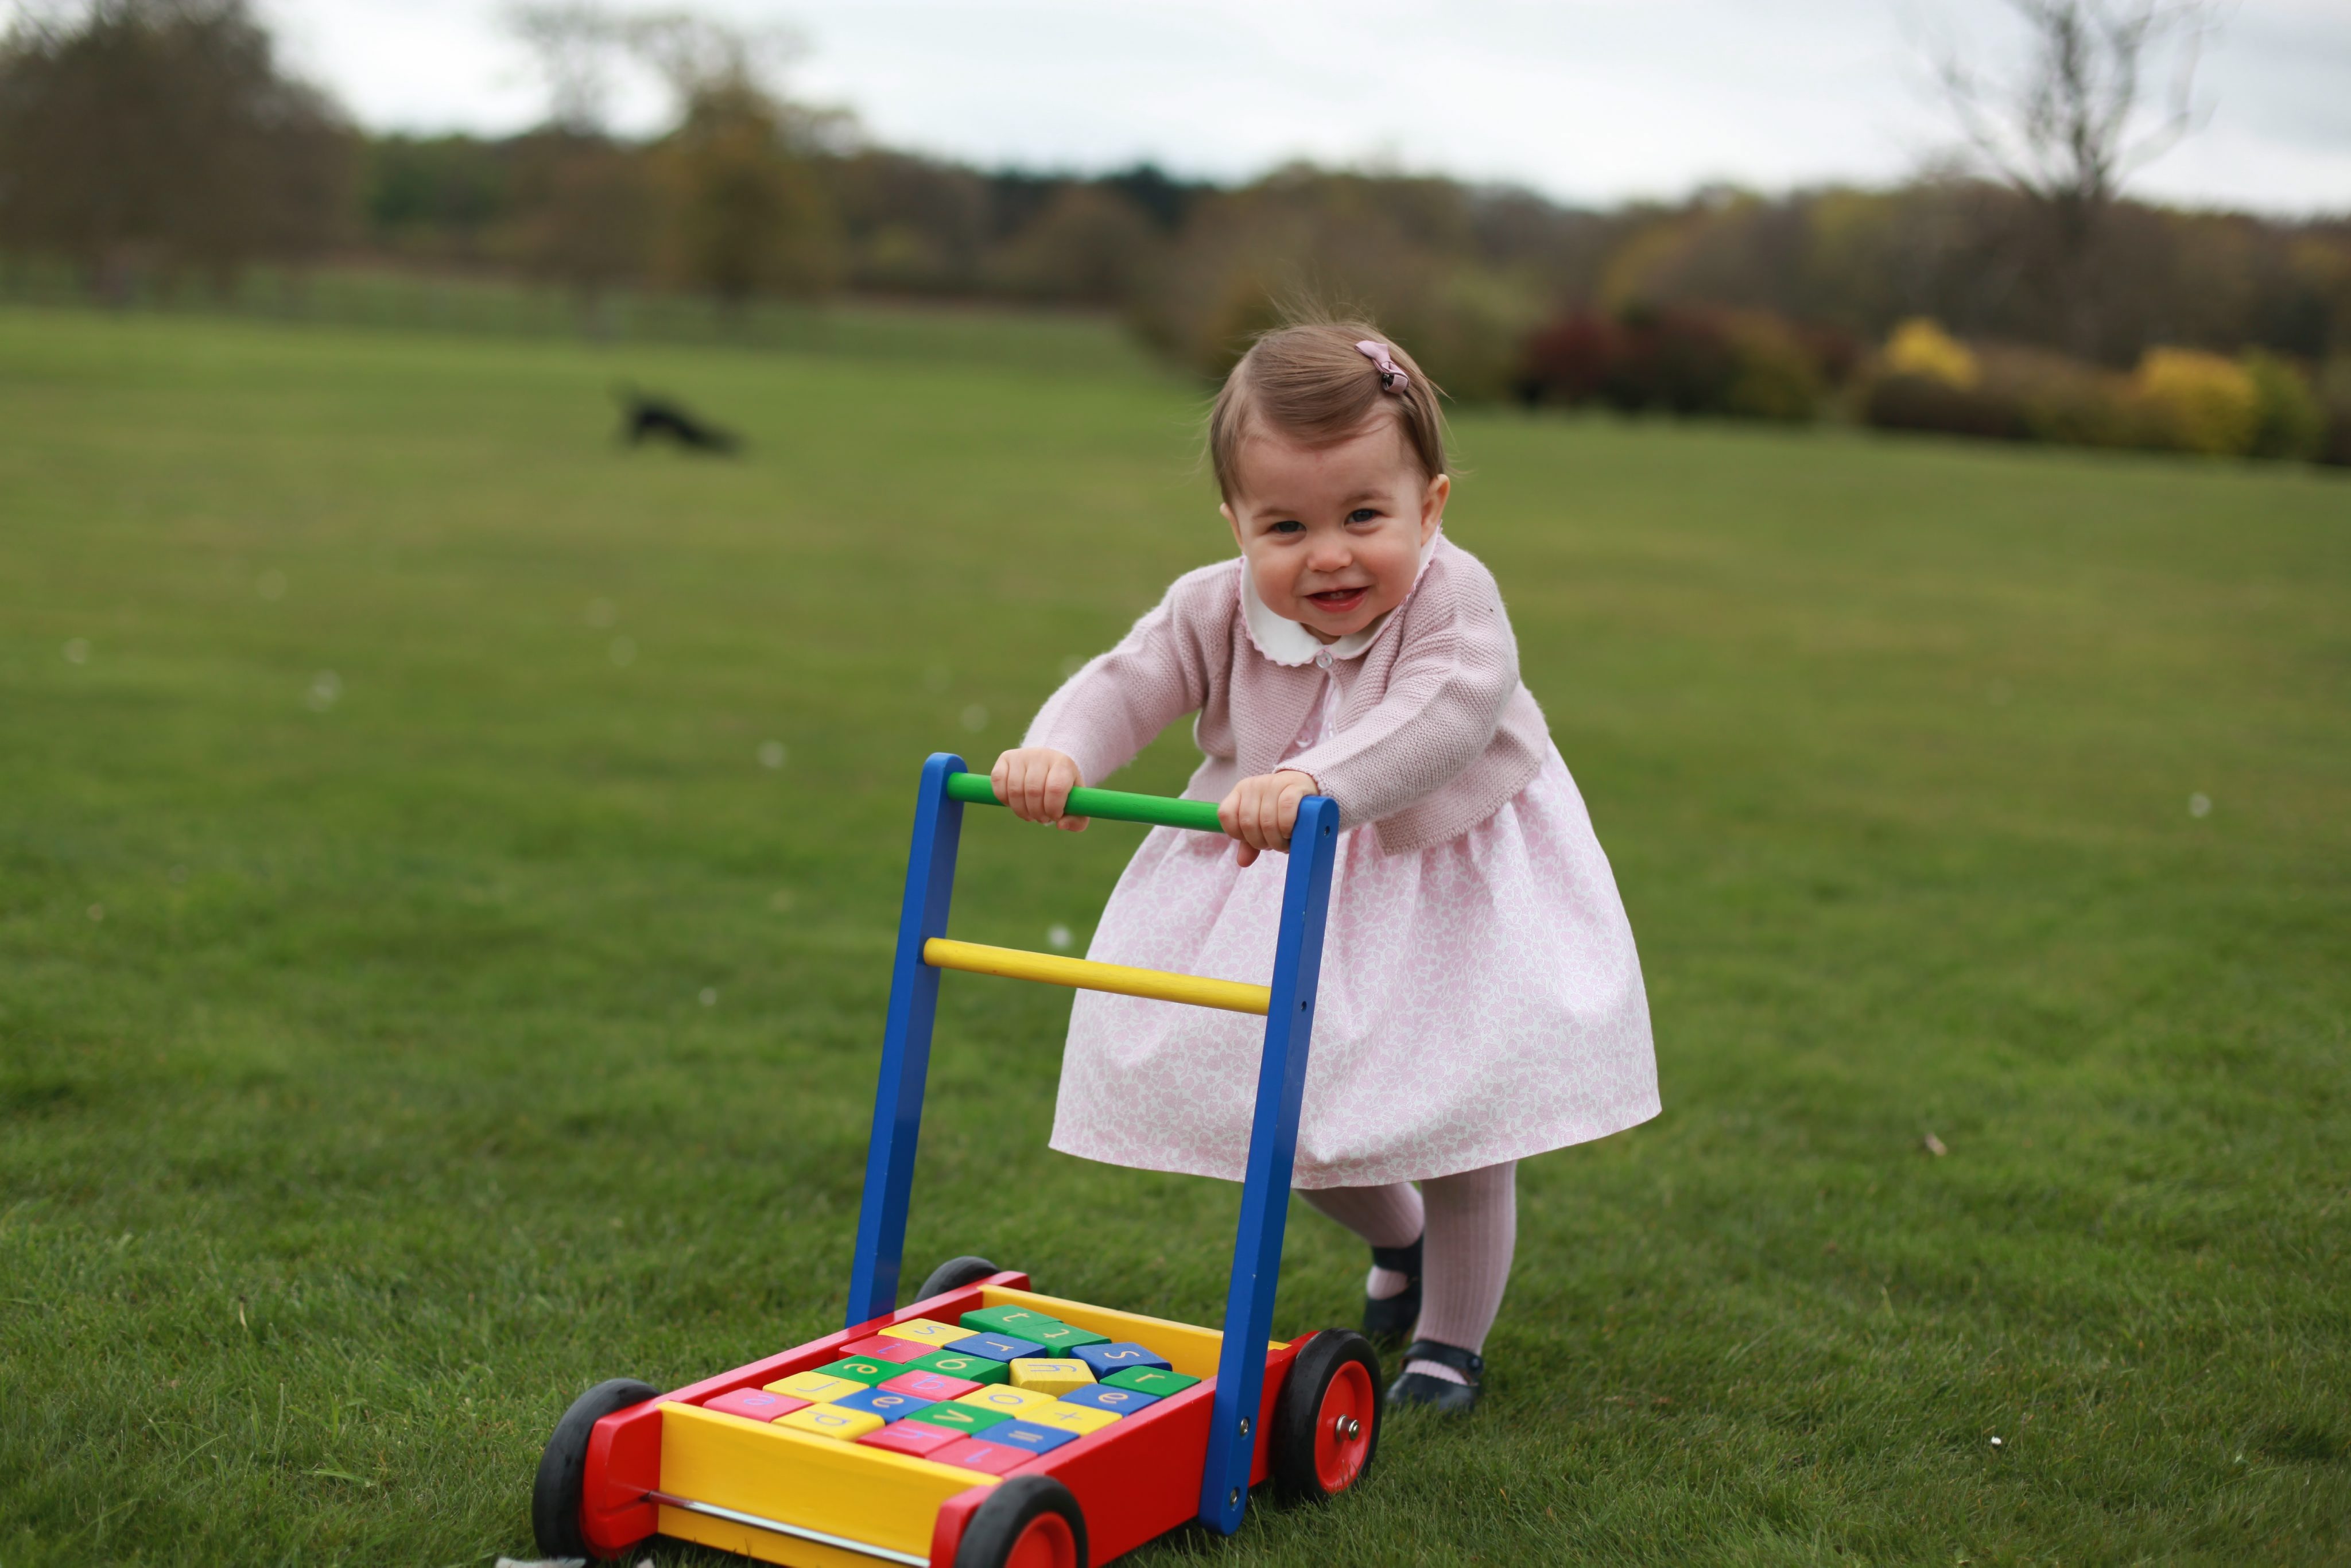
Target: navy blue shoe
[
  {"x": 1388, "y": 1320},
  {"x": 1436, "y": 1393}
]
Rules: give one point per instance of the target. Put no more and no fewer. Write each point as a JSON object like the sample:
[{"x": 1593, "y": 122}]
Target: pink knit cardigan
[{"x": 1431, "y": 732}]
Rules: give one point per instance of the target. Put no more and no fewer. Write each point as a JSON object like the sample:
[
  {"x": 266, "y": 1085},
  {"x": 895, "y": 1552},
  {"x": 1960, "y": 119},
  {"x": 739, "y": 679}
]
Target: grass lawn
[{"x": 420, "y": 998}]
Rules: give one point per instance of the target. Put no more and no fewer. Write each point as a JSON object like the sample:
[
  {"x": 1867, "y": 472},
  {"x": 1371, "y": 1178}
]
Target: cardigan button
[{"x": 1322, "y": 658}]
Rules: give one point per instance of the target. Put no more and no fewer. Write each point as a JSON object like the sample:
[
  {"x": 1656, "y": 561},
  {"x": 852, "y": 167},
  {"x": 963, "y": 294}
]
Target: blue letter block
[
  {"x": 1106, "y": 1359},
  {"x": 1117, "y": 1401},
  {"x": 882, "y": 1403},
  {"x": 1022, "y": 1435},
  {"x": 997, "y": 1347}
]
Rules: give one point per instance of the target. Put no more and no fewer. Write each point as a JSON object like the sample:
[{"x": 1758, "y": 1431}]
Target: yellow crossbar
[{"x": 1085, "y": 975}]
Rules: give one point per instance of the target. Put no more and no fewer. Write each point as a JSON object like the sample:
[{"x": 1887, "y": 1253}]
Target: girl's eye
[
  {"x": 1293, "y": 526},
  {"x": 1363, "y": 515}
]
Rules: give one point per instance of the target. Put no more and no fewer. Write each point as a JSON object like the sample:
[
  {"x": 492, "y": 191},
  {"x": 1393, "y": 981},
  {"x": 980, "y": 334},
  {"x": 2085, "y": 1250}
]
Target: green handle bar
[{"x": 1116, "y": 805}]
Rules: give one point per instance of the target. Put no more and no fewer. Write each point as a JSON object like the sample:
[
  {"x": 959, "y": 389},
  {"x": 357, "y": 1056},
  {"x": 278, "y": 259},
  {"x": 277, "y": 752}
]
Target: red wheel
[
  {"x": 1343, "y": 1427},
  {"x": 562, "y": 1480},
  {"x": 1029, "y": 1521},
  {"x": 1326, "y": 1424},
  {"x": 1046, "y": 1543}
]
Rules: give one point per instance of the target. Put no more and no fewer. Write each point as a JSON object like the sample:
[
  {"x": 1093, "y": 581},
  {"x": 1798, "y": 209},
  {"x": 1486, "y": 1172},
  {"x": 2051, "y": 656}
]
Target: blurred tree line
[{"x": 160, "y": 140}]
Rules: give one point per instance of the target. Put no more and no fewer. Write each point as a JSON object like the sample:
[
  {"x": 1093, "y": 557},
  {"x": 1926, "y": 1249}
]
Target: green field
[{"x": 419, "y": 999}]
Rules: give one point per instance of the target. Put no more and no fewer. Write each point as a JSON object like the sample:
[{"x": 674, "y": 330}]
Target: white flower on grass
[
  {"x": 624, "y": 651},
  {"x": 1057, "y": 936},
  {"x": 772, "y": 754},
  {"x": 2200, "y": 805},
  {"x": 76, "y": 650},
  {"x": 975, "y": 718},
  {"x": 709, "y": 995},
  {"x": 602, "y": 614},
  {"x": 326, "y": 691},
  {"x": 270, "y": 584}
]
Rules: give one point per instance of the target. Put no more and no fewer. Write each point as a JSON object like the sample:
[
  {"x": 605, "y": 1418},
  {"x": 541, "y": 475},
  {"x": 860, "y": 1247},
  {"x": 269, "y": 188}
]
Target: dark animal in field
[{"x": 645, "y": 418}]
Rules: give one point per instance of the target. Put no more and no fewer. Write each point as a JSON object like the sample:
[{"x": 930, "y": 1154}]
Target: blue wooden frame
[
  {"x": 1273, "y": 1146},
  {"x": 1273, "y": 1133},
  {"x": 906, "y": 1047}
]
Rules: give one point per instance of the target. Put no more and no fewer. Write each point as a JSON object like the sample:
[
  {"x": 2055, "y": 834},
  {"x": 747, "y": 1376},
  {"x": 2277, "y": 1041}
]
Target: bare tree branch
[
  {"x": 574, "y": 43},
  {"x": 2060, "y": 127}
]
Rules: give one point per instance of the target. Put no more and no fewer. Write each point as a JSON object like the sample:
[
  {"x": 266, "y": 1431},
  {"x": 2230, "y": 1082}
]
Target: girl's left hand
[{"x": 1260, "y": 811}]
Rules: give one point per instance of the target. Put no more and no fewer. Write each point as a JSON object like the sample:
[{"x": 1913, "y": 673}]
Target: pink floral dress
[{"x": 1480, "y": 998}]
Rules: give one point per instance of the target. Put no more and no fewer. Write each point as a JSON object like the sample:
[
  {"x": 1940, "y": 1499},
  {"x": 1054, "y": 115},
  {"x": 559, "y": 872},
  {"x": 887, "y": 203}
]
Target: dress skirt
[{"x": 1480, "y": 1001}]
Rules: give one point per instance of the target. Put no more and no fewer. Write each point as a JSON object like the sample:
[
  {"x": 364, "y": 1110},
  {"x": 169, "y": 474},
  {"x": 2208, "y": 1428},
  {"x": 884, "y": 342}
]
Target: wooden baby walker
[{"x": 987, "y": 1425}]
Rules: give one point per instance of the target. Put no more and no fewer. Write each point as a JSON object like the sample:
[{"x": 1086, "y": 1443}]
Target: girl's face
[{"x": 1333, "y": 534}]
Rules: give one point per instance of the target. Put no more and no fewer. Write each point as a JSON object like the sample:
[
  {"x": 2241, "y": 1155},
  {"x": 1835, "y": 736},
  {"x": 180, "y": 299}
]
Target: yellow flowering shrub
[
  {"x": 2204, "y": 402},
  {"x": 1920, "y": 348}
]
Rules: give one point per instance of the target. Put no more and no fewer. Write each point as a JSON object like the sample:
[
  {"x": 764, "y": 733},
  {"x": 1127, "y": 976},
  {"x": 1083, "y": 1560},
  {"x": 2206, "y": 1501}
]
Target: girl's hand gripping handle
[
  {"x": 1260, "y": 811},
  {"x": 1035, "y": 782}
]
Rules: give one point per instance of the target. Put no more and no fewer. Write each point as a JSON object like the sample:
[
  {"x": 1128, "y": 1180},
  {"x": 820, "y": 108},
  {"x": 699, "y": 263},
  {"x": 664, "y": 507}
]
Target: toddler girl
[{"x": 1481, "y": 1000}]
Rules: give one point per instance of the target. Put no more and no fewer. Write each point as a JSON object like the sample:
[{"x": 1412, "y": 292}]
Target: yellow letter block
[
  {"x": 816, "y": 1387},
  {"x": 1004, "y": 1397},
  {"x": 827, "y": 1422},
  {"x": 924, "y": 1331},
  {"x": 1070, "y": 1417},
  {"x": 1052, "y": 1377}
]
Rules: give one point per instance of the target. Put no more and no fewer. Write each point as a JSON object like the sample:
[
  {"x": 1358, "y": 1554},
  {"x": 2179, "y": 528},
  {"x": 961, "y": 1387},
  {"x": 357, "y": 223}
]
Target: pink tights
[{"x": 1472, "y": 1222}]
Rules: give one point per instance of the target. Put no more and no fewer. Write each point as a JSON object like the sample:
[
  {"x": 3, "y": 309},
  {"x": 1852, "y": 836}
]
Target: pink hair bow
[{"x": 1391, "y": 376}]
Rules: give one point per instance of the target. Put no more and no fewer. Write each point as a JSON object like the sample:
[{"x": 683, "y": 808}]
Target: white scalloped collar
[{"x": 1287, "y": 643}]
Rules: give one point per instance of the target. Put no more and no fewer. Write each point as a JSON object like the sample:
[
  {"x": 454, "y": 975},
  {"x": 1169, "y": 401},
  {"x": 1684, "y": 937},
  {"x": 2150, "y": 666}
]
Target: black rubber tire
[
  {"x": 554, "y": 1495},
  {"x": 1292, "y": 1456},
  {"x": 954, "y": 1275},
  {"x": 997, "y": 1524}
]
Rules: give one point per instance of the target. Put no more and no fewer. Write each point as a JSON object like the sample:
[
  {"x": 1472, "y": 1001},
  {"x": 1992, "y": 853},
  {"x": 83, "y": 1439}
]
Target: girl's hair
[{"x": 1309, "y": 381}]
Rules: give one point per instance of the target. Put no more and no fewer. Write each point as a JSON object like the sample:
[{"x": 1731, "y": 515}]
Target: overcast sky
[{"x": 1587, "y": 100}]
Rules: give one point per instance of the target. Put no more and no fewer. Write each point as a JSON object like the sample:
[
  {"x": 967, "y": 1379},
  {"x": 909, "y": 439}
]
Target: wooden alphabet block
[
  {"x": 882, "y": 1347},
  {"x": 816, "y": 1387},
  {"x": 1061, "y": 1339},
  {"x": 974, "y": 1368},
  {"x": 830, "y": 1421},
  {"x": 1003, "y": 1398},
  {"x": 755, "y": 1403},
  {"x": 980, "y": 1454},
  {"x": 881, "y": 1402},
  {"x": 924, "y": 1331},
  {"x": 1108, "y": 1397},
  {"x": 996, "y": 1347},
  {"x": 863, "y": 1369},
  {"x": 928, "y": 1384},
  {"x": 913, "y": 1437},
  {"x": 1013, "y": 1320},
  {"x": 954, "y": 1416},
  {"x": 1118, "y": 1356},
  {"x": 1063, "y": 1416},
  {"x": 1028, "y": 1435},
  {"x": 1151, "y": 1380},
  {"x": 1051, "y": 1378}
]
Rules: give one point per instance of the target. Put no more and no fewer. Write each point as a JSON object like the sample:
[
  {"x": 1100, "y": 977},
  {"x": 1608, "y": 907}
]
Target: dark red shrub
[
  {"x": 1683, "y": 359},
  {"x": 1569, "y": 360},
  {"x": 1680, "y": 360}
]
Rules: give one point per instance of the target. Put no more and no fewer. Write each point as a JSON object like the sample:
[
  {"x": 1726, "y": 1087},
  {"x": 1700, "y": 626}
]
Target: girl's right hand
[{"x": 1035, "y": 782}]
